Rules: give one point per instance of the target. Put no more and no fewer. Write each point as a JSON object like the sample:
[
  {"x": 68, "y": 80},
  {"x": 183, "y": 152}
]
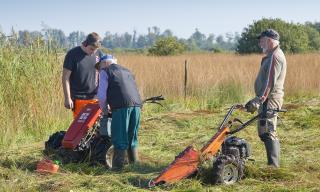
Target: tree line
[
  {"x": 295, "y": 38},
  {"x": 56, "y": 38}
]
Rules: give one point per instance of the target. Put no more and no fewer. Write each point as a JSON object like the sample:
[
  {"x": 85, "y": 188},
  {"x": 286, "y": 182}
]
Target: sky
[{"x": 182, "y": 17}]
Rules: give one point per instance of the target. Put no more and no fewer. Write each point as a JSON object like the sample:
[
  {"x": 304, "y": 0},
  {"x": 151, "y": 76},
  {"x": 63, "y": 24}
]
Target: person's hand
[
  {"x": 253, "y": 105},
  {"x": 109, "y": 110},
  {"x": 105, "y": 110},
  {"x": 68, "y": 103}
]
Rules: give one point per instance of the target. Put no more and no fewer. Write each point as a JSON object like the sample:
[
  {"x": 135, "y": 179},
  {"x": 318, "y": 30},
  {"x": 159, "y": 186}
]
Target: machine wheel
[
  {"x": 101, "y": 151},
  {"x": 70, "y": 156},
  {"x": 109, "y": 156},
  {"x": 54, "y": 142},
  {"x": 227, "y": 170}
]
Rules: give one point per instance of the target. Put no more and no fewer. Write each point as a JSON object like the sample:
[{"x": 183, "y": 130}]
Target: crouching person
[{"x": 118, "y": 89}]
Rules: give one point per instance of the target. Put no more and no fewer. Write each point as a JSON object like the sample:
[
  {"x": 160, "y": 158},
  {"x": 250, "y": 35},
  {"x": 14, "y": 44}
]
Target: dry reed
[{"x": 208, "y": 71}]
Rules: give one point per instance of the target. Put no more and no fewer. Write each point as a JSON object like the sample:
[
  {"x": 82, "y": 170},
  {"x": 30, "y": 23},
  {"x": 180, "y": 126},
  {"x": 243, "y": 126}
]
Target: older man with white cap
[
  {"x": 118, "y": 89},
  {"x": 269, "y": 90}
]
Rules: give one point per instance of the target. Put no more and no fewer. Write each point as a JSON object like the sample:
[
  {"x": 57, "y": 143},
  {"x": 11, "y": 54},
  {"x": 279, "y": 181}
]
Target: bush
[
  {"x": 167, "y": 46},
  {"x": 294, "y": 38}
]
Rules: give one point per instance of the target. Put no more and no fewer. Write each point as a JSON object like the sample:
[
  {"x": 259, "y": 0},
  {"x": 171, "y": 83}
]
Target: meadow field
[{"x": 31, "y": 101}]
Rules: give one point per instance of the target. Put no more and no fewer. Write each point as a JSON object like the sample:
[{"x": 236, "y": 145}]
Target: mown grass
[{"x": 167, "y": 131}]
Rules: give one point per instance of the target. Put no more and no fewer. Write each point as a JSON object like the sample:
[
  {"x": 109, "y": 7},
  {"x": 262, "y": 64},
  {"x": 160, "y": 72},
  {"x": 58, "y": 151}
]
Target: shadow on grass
[
  {"x": 139, "y": 182},
  {"x": 268, "y": 173},
  {"x": 145, "y": 168},
  {"x": 98, "y": 169},
  {"x": 24, "y": 163},
  {"x": 205, "y": 175},
  {"x": 143, "y": 183}
]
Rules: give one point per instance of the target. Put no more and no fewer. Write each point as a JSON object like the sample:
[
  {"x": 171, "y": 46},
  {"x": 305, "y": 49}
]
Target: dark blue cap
[{"x": 271, "y": 33}]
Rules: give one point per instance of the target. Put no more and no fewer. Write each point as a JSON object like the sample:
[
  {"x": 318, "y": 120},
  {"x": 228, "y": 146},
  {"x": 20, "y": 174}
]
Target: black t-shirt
[{"x": 83, "y": 78}]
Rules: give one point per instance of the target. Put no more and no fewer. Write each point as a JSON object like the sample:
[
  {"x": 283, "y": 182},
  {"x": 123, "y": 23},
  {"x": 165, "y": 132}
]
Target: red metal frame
[{"x": 80, "y": 125}]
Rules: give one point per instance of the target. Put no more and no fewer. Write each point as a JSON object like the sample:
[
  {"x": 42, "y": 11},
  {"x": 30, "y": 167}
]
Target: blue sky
[{"x": 180, "y": 16}]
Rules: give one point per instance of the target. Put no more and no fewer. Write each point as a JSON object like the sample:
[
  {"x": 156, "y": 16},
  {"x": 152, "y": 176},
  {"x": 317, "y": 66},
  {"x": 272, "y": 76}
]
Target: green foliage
[
  {"x": 167, "y": 46},
  {"x": 294, "y": 38},
  {"x": 315, "y": 25},
  {"x": 314, "y": 38}
]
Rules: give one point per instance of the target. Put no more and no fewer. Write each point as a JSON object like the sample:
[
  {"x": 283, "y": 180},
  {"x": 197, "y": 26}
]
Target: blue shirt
[{"x": 102, "y": 89}]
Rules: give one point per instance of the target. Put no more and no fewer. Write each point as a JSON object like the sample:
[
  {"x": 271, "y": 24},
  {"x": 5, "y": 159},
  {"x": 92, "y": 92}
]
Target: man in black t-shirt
[{"x": 79, "y": 76}]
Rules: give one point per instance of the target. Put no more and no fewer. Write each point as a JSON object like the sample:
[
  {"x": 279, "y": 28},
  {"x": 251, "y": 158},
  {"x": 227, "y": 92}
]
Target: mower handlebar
[
  {"x": 242, "y": 107},
  {"x": 245, "y": 124},
  {"x": 155, "y": 100},
  {"x": 279, "y": 110}
]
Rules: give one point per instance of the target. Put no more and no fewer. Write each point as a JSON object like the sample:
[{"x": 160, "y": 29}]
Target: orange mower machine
[
  {"x": 82, "y": 141},
  {"x": 229, "y": 164},
  {"x": 84, "y": 120}
]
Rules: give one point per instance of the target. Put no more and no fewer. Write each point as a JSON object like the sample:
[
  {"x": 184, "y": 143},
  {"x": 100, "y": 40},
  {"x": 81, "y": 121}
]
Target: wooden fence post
[{"x": 185, "y": 78}]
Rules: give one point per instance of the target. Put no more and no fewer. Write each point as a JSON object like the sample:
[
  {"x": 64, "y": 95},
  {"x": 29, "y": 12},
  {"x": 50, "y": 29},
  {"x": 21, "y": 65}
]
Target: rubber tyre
[
  {"x": 227, "y": 170},
  {"x": 101, "y": 151},
  {"x": 54, "y": 142},
  {"x": 70, "y": 156}
]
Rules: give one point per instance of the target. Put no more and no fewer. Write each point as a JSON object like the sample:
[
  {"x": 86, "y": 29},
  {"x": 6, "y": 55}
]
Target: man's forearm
[
  {"x": 66, "y": 89},
  {"x": 66, "y": 83}
]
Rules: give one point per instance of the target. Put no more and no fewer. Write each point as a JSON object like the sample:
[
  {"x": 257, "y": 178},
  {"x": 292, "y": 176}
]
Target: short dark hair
[{"x": 92, "y": 39}]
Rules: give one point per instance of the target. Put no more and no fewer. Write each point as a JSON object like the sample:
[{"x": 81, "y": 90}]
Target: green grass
[
  {"x": 32, "y": 109},
  {"x": 167, "y": 131}
]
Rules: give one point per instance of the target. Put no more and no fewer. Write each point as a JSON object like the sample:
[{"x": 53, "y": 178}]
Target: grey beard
[{"x": 264, "y": 50}]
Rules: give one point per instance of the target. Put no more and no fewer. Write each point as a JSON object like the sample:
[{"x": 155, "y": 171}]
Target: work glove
[{"x": 253, "y": 105}]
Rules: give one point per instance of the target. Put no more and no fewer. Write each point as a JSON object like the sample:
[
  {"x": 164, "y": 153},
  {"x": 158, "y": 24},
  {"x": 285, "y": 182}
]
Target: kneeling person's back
[
  {"x": 118, "y": 89},
  {"x": 122, "y": 88}
]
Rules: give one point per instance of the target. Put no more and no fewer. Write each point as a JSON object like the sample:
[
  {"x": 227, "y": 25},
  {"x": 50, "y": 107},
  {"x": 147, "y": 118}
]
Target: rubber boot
[
  {"x": 133, "y": 156},
  {"x": 273, "y": 152},
  {"x": 118, "y": 160}
]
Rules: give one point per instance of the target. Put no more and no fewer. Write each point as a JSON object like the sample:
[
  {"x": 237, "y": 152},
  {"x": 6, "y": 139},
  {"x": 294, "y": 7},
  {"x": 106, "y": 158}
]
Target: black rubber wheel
[
  {"x": 54, "y": 142},
  {"x": 53, "y": 147},
  {"x": 98, "y": 151},
  {"x": 101, "y": 151},
  {"x": 227, "y": 169},
  {"x": 70, "y": 156}
]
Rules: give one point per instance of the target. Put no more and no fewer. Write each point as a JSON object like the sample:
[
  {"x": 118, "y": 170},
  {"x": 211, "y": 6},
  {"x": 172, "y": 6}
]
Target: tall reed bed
[{"x": 30, "y": 93}]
